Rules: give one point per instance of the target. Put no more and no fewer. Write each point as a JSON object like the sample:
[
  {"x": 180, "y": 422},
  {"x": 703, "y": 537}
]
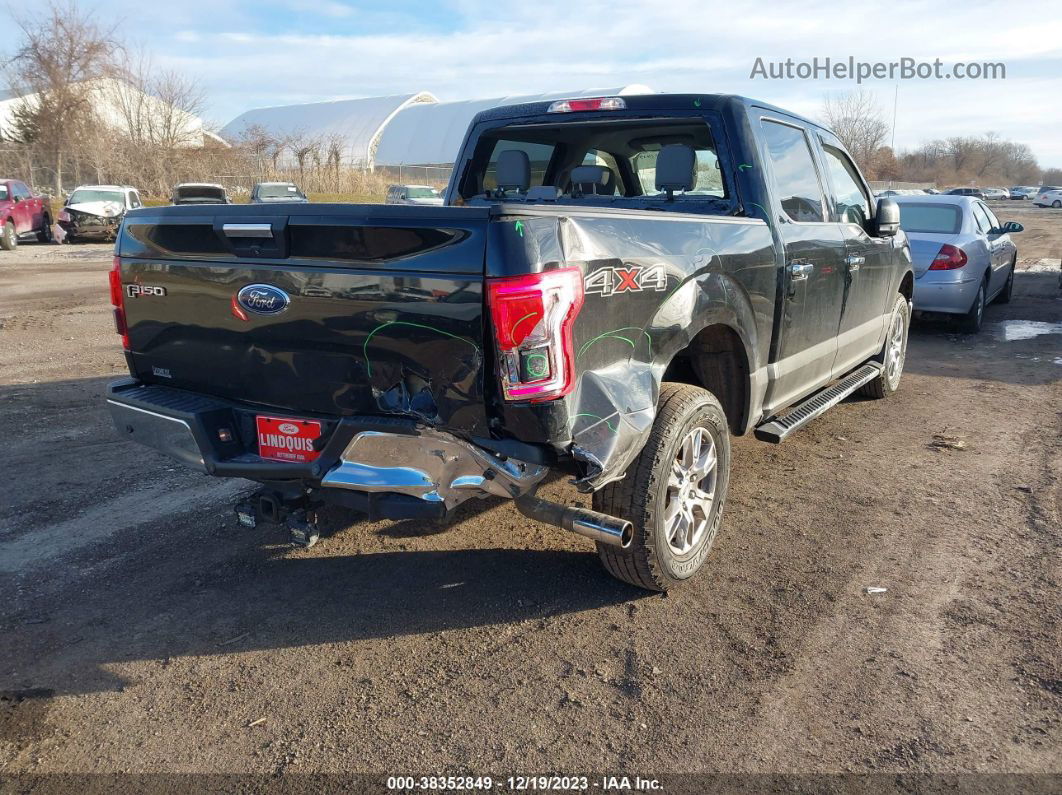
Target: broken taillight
[
  {"x": 118, "y": 302},
  {"x": 533, "y": 316}
]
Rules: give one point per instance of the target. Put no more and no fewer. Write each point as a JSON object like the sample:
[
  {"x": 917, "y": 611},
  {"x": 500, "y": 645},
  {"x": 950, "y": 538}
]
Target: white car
[
  {"x": 96, "y": 211},
  {"x": 1049, "y": 198}
]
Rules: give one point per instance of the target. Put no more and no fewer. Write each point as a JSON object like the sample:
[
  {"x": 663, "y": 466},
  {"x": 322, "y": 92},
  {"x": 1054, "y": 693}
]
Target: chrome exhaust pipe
[{"x": 591, "y": 524}]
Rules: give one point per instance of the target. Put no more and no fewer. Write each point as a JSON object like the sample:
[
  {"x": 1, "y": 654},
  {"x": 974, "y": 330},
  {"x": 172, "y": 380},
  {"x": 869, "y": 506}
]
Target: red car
[{"x": 22, "y": 214}]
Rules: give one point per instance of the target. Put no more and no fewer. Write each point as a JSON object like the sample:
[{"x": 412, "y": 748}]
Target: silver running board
[{"x": 800, "y": 415}]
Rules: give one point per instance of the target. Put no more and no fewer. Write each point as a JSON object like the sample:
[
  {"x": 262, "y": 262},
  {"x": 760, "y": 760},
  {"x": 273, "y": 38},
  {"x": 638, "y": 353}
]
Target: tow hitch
[{"x": 299, "y": 514}]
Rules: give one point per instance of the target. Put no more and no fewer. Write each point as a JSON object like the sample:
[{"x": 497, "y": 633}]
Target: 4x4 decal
[{"x": 625, "y": 279}]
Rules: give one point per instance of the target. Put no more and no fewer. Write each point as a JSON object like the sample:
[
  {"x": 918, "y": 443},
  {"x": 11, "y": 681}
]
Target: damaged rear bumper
[{"x": 387, "y": 467}]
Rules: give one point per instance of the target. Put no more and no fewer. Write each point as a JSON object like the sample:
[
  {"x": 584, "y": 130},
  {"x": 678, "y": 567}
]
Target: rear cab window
[{"x": 625, "y": 148}]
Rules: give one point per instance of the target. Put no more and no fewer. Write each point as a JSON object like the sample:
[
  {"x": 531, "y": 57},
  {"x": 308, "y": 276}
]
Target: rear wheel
[
  {"x": 1008, "y": 288},
  {"x": 972, "y": 320},
  {"x": 8, "y": 238},
  {"x": 673, "y": 492},
  {"x": 893, "y": 353},
  {"x": 1056, "y": 204}
]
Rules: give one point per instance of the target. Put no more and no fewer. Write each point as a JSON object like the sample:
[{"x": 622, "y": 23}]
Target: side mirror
[
  {"x": 1011, "y": 227},
  {"x": 887, "y": 219}
]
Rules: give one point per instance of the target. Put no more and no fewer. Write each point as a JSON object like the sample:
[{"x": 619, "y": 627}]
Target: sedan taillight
[{"x": 949, "y": 258}]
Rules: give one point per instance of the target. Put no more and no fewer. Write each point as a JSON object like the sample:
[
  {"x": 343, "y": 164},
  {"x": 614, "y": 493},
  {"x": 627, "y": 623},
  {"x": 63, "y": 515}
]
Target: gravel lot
[{"x": 144, "y": 631}]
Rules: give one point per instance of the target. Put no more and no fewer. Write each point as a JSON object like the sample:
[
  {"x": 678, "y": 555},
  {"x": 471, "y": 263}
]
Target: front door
[
  {"x": 814, "y": 273},
  {"x": 868, "y": 263}
]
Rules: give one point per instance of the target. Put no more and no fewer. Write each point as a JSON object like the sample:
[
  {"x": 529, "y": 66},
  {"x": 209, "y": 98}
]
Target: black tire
[
  {"x": 8, "y": 238},
  {"x": 45, "y": 233},
  {"x": 972, "y": 320},
  {"x": 891, "y": 357},
  {"x": 1008, "y": 288},
  {"x": 651, "y": 561}
]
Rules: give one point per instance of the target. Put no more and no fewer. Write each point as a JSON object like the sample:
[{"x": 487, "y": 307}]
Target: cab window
[
  {"x": 795, "y": 176},
  {"x": 850, "y": 202}
]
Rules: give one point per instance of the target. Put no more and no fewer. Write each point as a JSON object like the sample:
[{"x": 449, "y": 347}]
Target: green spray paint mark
[
  {"x": 519, "y": 226},
  {"x": 596, "y": 417},
  {"x": 766, "y": 215},
  {"x": 743, "y": 166},
  {"x": 382, "y": 326},
  {"x": 614, "y": 334},
  {"x": 696, "y": 103}
]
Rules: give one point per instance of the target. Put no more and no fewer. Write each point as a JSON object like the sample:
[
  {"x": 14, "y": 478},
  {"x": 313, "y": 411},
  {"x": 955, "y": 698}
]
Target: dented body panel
[{"x": 651, "y": 284}]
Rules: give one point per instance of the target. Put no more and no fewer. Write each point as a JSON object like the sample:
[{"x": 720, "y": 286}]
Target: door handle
[
  {"x": 799, "y": 271},
  {"x": 854, "y": 262}
]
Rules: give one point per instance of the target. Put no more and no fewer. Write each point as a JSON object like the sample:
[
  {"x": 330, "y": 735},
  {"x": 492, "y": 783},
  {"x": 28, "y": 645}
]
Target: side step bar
[{"x": 800, "y": 415}]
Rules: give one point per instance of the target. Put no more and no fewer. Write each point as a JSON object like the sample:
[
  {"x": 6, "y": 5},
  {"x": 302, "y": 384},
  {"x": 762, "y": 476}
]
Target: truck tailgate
[{"x": 312, "y": 309}]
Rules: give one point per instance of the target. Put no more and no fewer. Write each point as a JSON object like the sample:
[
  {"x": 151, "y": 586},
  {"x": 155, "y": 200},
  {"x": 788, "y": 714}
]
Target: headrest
[
  {"x": 513, "y": 170},
  {"x": 676, "y": 168},
  {"x": 591, "y": 175}
]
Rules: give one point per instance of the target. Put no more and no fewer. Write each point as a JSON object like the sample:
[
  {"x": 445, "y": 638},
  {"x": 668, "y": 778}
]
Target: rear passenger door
[
  {"x": 985, "y": 224},
  {"x": 1000, "y": 246},
  {"x": 813, "y": 278},
  {"x": 868, "y": 262}
]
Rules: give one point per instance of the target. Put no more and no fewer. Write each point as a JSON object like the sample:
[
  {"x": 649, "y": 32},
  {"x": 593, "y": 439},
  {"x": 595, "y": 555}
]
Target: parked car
[
  {"x": 413, "y": 194},
  {"x": 932, "y": 191},
  {"x": 199, "y": 193},
  {"x": 22, "y": 214},
  {"x": 977, "y": 193},
  {"x": 277, "y": 192},
  {"x": 614, "y": 286},
  {"x": 96, "y": 211},
  {"x": 1049, "y": 197},
  {"x": 995, "y": 194},
  {"x": 1022, "y": 192},
  {"x": 963, "y": 255}
]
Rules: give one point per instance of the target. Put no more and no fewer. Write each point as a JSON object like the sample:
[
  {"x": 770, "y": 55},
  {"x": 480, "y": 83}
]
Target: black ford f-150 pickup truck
[{"x": 613, "y": 287}]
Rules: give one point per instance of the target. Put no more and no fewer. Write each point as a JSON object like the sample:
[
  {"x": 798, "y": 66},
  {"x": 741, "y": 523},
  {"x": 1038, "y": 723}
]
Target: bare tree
[
  {"x": 858, "y": 122},
  {"x": 56, "y": 71}
]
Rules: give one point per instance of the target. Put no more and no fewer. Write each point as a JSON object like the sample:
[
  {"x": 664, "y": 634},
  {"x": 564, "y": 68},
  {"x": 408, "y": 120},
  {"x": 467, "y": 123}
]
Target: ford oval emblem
[{"x": 263, "y": 299}]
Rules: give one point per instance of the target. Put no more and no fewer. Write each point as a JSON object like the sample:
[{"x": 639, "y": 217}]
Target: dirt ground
[{"x": 142, "y": 630}]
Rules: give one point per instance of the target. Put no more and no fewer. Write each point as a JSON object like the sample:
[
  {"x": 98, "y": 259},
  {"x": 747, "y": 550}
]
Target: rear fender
[{"x": 614, "y": 405}]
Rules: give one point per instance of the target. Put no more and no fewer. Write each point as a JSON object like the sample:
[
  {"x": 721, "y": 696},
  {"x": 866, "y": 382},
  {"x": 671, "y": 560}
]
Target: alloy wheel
[
  {"x": 897, "y": 352},
  {"x": 690, "y": 492}
]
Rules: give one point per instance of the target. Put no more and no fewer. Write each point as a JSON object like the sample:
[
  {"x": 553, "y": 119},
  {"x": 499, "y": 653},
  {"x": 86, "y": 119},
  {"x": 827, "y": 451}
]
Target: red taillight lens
[
  {"x": 948, "y": 258},
  {"x": 118, "y": 302},
  {"x": 533, "y": 317}
]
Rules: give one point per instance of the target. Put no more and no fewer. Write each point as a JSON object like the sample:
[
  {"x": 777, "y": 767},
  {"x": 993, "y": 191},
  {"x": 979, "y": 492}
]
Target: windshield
[
  {"x": 623, "y": 152},
  {"x": 279, "y": 191},
  {"x": 937, "y": 219},
  {"x": 421, "y": 193},
  {"x": 91, "y": 195}
]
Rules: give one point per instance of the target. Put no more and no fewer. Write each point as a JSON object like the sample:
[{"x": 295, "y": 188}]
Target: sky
[{"x": 257, "y": 53}]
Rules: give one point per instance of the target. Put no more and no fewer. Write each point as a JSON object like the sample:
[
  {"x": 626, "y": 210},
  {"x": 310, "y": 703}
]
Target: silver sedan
[{"x": 963, "y": 255}]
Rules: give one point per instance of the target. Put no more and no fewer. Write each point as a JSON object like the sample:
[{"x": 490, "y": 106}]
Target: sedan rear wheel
[
  {"x": 1056, "y": 204},
  {"x": 971, "y": 322}
]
